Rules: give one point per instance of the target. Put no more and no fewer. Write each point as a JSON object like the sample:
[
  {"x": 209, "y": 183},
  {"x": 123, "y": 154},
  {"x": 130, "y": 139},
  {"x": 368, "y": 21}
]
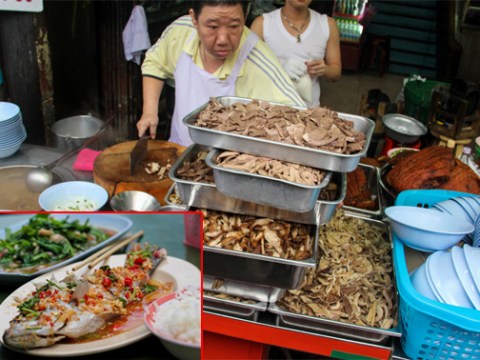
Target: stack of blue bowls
[{"x": 12, "y": 130}]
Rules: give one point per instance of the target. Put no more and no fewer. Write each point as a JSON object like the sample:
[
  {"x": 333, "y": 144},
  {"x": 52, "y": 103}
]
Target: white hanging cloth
[{"x": 135, "y": 35}]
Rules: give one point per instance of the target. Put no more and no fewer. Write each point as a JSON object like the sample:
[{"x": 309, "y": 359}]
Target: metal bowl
[
  {"x": 134, "y": 200},
  {"x": 403, "y": 129}
]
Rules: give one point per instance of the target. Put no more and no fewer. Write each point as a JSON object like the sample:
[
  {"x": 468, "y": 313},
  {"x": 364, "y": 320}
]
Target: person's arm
[
  {"x": 329, "y": 68},
  {"x": 152, "y": 88},
  {"x": 257, "y": 26}
]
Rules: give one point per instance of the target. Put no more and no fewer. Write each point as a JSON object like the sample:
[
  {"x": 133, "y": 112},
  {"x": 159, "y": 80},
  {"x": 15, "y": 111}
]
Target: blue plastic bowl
[
  {"x": 73, "y": 196},
  {"x": 426, "y": 229}
]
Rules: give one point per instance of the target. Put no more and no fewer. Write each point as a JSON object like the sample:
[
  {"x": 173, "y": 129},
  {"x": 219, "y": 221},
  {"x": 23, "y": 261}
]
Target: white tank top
[{"x": 284, "y": 45}]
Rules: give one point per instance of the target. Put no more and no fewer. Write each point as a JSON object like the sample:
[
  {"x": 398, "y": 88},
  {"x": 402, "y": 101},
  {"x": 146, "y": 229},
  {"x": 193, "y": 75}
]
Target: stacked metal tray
[
  {"x": 259, "y": 269},
  {"x": 265, "y": 190},
  {"x": 372, "y": 173},
  {"x": 288, "y": 319},
  {"x": 238, "y": 309},
  {"x": 246, "y": 290},
  {"x": 206, "y": 196},
  {"x": 320, "y": 159}
]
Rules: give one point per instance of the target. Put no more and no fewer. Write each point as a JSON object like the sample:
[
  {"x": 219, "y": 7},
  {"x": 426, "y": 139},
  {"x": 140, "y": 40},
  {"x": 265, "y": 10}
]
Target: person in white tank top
[{"x": 307, "y": 44}]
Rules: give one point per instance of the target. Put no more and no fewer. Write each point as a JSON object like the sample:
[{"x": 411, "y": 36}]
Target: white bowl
[
  {"x": 180, "y": 349},
  {"x": 73, "y": 196},
  {"x": 454, "y": 208},
  {"x": 463, "y": 273},
  {"x": 421, "y": 284},
  {"x": 10, "y": 149},
  {"x": 467, "y": 208},
  {"x": 8, "y": 110},
  {"x": 430, "y": 281},
  {"x": 445, "y": 280},
  {"x": 476, "y": 233},
  {"x": 472, "y": 255},
  {"x": 426, "y": 229}
]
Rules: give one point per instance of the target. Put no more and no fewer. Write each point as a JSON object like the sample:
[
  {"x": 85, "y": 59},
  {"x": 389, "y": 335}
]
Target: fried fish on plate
[{"x": 74, "y": 307}]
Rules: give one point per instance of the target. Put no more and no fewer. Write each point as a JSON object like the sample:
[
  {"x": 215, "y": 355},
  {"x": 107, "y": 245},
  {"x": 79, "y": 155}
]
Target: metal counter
[{"x": 43, "y": 155}]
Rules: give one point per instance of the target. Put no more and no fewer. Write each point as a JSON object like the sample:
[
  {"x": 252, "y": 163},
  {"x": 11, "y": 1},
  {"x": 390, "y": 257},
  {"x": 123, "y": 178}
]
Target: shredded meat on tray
[
  {"x": 257, "y": 235},
  {"x": 318, "y": 127},
  {"x": 196, "y": 169},
  {"x": 270, "y": 167},
  {"x": 353, "y": 279}
]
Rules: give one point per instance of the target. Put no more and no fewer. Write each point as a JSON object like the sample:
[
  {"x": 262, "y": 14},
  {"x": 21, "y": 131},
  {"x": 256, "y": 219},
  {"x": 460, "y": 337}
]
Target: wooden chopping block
[{"x": 111, "y": 168}]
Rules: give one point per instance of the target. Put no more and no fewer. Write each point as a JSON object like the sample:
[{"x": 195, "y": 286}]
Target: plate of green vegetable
[{"x": 45, "y": 242}]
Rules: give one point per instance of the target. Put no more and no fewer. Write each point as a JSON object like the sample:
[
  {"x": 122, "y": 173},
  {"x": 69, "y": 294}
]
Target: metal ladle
[{"x": 39, "y": 178}]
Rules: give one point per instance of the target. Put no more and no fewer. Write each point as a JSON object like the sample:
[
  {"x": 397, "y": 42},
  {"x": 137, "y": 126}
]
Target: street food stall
[{"x": 299, "y": 250}]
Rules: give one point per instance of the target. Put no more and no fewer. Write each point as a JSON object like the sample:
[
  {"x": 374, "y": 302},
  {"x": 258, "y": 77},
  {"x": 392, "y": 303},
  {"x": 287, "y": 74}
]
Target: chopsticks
[{"x": 104, "y": 253}]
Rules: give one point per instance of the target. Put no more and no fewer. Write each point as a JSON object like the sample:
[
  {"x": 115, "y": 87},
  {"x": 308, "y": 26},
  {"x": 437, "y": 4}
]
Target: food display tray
[
  {"x": 320, "y": 159},
  {"x": 369, "y": 334},
  {"x": 239, "y": 309},
  {"x": 287, "y": 319},
  {"x": 256, "y": 268},
  {"x": 264, "y": 190},
  {"x": 246, "y": 290},
  {"x": 372, "y": 173},
  {"x": 206, "y": 196}
]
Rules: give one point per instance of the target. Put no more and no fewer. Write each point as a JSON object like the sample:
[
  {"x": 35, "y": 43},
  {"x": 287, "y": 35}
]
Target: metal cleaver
[{"x": 138, "y": 153}]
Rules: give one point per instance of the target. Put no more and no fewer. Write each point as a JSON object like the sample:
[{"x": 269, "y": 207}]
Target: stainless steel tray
[
  {"x": 264, "y": 190},
  {"x": 263, "y": 294},
  {"x": 320, "y": 159},
  {"x": 389, "y": 195},
  {"x": 234, "y": 308},
  {"x": 171, "y": 191},
  {"x": 372, "y": 173},
  {"x": 333, "y": 327},
  {"x": 206, "y": 196},
  {"x": 258, "y": 269}
]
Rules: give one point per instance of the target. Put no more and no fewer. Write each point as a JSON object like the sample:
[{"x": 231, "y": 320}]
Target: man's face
[{"x": 220, "y": 29}]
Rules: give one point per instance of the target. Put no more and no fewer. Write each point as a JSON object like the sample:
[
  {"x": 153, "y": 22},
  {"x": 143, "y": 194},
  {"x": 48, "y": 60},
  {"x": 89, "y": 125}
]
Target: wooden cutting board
[{"x": 111, "y": 168}]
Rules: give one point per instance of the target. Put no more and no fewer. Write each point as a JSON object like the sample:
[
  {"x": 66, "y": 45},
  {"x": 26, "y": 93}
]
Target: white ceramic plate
[
  {"x": 117, "y": 223},
  {"x": 180, "y": 271}
]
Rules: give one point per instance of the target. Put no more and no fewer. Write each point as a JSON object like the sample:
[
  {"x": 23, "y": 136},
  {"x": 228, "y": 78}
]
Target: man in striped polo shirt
[{"x": 210, "y": 52}]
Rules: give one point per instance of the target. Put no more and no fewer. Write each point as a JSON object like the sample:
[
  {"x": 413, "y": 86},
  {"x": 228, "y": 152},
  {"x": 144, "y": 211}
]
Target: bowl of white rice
[{"x": 175, "y": 320}]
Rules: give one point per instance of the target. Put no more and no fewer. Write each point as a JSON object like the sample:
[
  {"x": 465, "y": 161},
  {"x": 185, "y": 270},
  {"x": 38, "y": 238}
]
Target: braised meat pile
[
  {"x": 432, "y": 168},
  {"x": 196, "y": 169},
  {"x": 317, "y": 128},
  {"x": 271, "y": 167},
  {"x": 462, "y": 178},
  {"x": 358, "y": 193}
]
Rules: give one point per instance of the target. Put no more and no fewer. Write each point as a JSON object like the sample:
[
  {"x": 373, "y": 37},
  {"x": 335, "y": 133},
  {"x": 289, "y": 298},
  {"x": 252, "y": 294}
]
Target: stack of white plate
[
  {"x": 12, "y": 131},
  {"x": 451, "y": 277}
]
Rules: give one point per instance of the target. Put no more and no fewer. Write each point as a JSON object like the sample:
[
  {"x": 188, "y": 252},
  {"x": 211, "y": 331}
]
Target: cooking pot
[
  {"x": 403, "y": 129},
  {"x": 73, "y": 131}
]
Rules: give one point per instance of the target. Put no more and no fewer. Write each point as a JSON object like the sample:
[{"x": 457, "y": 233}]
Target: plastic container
[
  {"x": 192, "y": 229},
  {"x": 432, "y": 330},
  {"x": 418, "y": 95}
]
